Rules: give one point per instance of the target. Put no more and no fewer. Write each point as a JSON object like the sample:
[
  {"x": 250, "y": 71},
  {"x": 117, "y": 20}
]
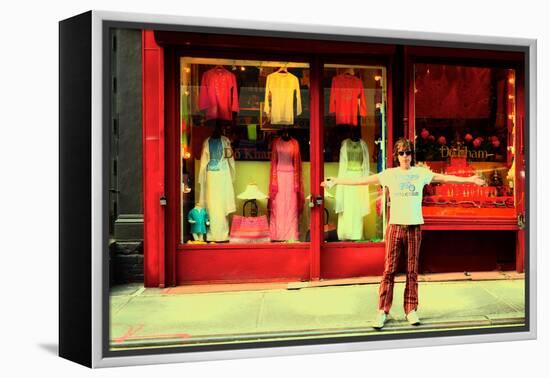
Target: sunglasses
[{"x": 403, "y": 153}]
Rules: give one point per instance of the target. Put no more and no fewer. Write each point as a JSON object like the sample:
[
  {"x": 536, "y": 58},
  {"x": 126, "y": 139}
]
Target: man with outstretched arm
[{"x": 405, "y": 183}]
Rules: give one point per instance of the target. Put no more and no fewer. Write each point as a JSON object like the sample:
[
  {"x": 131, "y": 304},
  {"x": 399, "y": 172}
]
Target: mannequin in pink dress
[{"x": 286, "y": 193}]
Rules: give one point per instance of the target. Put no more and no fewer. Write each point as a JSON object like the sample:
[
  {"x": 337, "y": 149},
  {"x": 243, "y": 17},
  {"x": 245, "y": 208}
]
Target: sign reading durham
[{"x": 463, "y": 152}]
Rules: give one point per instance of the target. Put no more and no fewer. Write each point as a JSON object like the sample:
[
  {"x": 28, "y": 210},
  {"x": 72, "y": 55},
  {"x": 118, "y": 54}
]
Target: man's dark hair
[{"x": 404, "y": 144}]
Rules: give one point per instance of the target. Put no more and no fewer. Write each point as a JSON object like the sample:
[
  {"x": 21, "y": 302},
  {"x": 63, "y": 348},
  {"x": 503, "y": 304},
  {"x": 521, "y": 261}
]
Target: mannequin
[
  {"x": 354, "y": 133},
  {"x": 286, "y": 193},
  {"x": 285, "y": 134},
  {"x": 198, "y": 218},
  {"x": 216, "y": 177},
  {"x": 352, "y": 202},
  {"x": 218, "y": 130}
]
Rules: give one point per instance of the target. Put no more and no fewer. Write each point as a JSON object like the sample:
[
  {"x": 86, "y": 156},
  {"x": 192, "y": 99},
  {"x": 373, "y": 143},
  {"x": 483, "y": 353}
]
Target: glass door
[
  {"x": 354, "y": 146},
  {"x": 354, "y": 134}
]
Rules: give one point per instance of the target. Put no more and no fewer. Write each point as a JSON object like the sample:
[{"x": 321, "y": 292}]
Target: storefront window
[
  {"x": 245, "y": 135},
  {"x": 354, "y": 146},
  {"x": 465, "y": 121}
]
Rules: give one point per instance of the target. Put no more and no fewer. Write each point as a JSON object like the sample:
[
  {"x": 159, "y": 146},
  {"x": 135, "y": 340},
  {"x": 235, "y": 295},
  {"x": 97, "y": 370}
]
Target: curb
[{"x": 392, "y": 327}]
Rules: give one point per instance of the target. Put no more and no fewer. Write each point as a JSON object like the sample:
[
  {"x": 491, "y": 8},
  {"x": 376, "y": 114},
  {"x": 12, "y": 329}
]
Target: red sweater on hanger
[
  {"x": 218, "y": 94},
  {"x": 345, "y": 93}
]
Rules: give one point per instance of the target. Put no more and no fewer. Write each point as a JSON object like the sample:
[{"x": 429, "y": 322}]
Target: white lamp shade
[{"x": 252, "y": 192}]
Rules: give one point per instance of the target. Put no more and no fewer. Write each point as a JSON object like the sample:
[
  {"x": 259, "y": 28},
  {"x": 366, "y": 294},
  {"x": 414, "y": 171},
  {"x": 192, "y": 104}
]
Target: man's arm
[
  {"x": 451, "y": 179},
  {"x": 366, "y": 180}
]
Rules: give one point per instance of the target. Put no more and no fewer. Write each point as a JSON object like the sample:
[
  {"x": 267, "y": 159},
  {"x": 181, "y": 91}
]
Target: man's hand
[
  {"x": 477, "y": 180},
  {"x": 328, "y": 183}
]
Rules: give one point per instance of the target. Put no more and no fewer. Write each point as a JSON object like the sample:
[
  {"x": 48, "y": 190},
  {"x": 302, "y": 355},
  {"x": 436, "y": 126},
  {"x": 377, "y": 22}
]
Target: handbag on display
[{"x": 249, "y": 229}]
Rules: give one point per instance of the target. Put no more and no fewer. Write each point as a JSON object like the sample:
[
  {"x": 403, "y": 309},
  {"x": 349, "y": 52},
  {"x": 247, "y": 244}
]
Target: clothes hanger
[{"x": 282, "y": 69}]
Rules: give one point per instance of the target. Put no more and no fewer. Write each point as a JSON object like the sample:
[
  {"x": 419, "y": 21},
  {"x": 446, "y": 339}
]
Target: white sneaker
[
  {"x": 380, "y": 320},
  {"x": 412, "y": 318}
]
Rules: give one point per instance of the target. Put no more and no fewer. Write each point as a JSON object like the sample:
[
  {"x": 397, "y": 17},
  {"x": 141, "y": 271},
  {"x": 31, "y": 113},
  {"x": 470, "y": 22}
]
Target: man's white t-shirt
[{"x": 405, "y": 187}]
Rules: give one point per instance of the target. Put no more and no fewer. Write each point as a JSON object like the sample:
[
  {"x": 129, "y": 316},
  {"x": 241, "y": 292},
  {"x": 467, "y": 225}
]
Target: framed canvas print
[{"x": 233, "y": 189}]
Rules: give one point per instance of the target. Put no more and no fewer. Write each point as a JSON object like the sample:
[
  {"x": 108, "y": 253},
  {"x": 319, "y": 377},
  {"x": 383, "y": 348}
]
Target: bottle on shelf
[{"x": 496, "y": 183}]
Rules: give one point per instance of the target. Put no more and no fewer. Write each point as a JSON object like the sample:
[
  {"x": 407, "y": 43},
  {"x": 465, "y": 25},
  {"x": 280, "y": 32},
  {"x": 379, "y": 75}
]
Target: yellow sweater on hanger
[{"x": 280, "y": 87}]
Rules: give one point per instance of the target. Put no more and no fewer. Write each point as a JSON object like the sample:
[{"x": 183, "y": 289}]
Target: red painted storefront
[{"x": 454, "y": 238}]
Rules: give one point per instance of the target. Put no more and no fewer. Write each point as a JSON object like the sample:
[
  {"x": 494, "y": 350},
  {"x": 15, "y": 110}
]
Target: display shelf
[{"x": 460, "y": 218}]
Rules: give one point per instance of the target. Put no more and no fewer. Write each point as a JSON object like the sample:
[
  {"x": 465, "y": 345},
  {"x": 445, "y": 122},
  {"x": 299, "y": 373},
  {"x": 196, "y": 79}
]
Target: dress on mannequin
[
  {"x": 286, "y": 193},
  {"x": 352, "y": 201},
  {"x": 216, "y": 176}
]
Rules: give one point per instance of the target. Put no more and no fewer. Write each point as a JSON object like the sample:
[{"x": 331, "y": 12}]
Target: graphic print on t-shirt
[{"x": 407, "y": 188}]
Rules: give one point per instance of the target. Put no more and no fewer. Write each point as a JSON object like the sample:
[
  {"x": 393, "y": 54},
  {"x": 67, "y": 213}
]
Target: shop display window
[
  {"x": 465, "y": 124},
  {"x": 354, "y": 135},
  {"x": 245, "y": 165}
]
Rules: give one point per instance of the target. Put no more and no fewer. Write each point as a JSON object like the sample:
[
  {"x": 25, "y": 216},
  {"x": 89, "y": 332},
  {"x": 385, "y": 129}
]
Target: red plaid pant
[{"x": 400, "y": 237}]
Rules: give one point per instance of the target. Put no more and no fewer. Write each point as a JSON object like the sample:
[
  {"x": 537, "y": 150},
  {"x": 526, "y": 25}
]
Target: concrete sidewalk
[{"x": 191, "y": 315}]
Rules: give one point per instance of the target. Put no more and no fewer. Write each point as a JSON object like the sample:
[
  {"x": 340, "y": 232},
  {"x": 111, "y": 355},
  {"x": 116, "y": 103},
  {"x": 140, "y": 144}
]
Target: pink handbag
[{"x": 249, "y": 229}]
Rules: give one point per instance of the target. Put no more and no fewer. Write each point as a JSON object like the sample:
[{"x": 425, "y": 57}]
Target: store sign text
[
  {"x": 251, "y": 154},
  {"x": 462, "y": 152}
]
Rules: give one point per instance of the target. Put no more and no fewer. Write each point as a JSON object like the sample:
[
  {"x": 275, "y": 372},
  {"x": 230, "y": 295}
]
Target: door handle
[
  {"x": 318, "y": 200},
  {"x": 521, "y": 221},
  {"x": 315, "y": 201}
]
